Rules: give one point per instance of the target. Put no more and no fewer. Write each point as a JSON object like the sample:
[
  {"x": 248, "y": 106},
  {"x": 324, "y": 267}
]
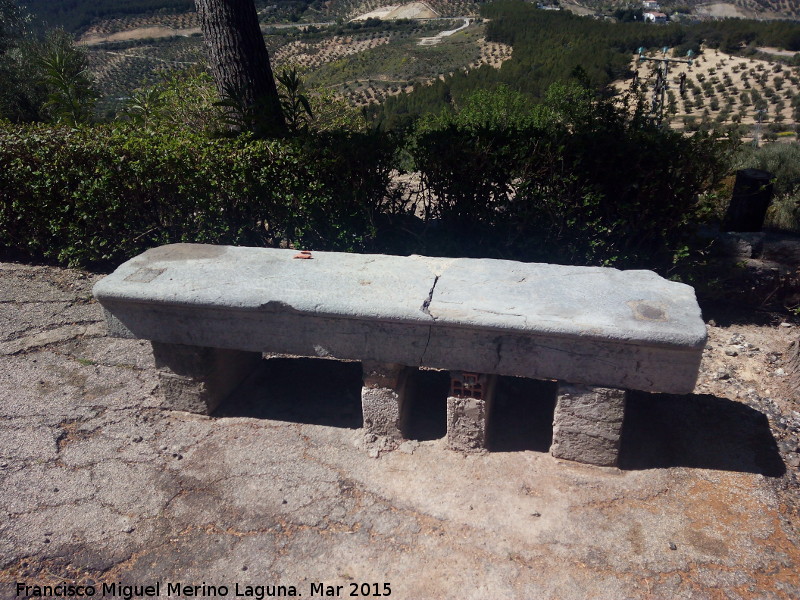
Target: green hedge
[
  {"x": 573, "y": 180},
  {"x": 102, "y": 194}
]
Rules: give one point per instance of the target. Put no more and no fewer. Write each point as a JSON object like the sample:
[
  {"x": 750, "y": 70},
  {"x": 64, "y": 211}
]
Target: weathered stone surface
[
  {"x": 468, "y": 419},
  {"x": 587, "y": 424},
  {"x": 51, "y": 336},
  {"x": 626, "y": 329},
  {"x": 197, "y": 379},
  {"x": 383, "y": 399}
]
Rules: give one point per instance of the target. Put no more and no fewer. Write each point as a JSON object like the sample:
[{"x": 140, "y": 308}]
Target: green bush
[
  {"x": 783, "y": 161},
  {"x": 573, "y": 180},
  {"x": 577, "y": 181},
  {"x": 103, "y": 194}
]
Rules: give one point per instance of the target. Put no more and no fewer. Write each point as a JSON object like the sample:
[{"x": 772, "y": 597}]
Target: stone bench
[{"x": 211, "y": 311}]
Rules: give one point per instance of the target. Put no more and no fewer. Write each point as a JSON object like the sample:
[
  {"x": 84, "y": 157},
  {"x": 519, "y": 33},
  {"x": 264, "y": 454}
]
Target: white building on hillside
[{"x": 654, "y": 17}]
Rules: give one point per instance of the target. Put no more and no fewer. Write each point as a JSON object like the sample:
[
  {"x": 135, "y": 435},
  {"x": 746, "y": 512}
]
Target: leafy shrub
[
  {"x": 578, "y": 181},
  {"x": 65, "y": 74},
  {"x": 184, "y": 100},
  {"x": 783, "y": 161},
  {"x": 103, "y": 194},
  {"x": 572, "y": 180},
  {"x": 45, "y": 79}
]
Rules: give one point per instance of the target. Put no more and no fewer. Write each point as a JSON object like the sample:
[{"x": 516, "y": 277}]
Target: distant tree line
[{"x": 76, "y": 15}]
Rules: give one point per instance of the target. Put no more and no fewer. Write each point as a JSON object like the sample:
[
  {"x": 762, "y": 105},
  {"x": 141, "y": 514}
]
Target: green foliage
[
  {"x": 144, "y": 106},
  {"x": 562, "y": 181},
  {"x": 20, "y": 97},
  {"x": 184, "y": 100},
  {"x": 43, "y": 79},
  {"x": 70, "y": 95},
  {"x": 499, "y": 109},
  {"x": 12, "y": 23},
  {"x": 783, "y": 161},
  {"x": 294, "y": 103},
  {"x": 99, "y": 194},
  {"x": 239, "y": 114},
  {"x": 187, "y": 100},
  {"x": 334, "y": 113},
  {"x": 565, "y": 185},
  {"x": 22, "y": 93}
]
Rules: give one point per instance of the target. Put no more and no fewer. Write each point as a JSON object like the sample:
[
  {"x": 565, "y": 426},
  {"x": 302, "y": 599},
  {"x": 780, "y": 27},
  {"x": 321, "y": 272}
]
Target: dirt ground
[
  {"x": 98, "y": 485},
  {"x": 724, "y": 10}
]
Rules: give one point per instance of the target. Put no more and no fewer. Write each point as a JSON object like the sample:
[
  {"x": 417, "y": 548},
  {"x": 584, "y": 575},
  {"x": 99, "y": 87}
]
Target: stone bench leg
[
  {"x": 197, "y": 379},
  {"x": 383, "y": 399},
  {"x": 468, "y": 410},
  {"x": 587, "y": 424}
]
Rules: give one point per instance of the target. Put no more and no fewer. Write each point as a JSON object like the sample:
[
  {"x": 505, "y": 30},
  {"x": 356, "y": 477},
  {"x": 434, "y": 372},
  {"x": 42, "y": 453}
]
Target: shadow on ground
[
  {"x": 700, "y": 431},
  {"x": 660, "y": 430},
  {"x": 300, "y": 390},
  {"x": 522, "y": 416}
]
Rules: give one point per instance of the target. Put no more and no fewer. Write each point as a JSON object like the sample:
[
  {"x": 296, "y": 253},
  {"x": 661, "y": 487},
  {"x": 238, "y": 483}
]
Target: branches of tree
[{"x": 11, "y": 24}]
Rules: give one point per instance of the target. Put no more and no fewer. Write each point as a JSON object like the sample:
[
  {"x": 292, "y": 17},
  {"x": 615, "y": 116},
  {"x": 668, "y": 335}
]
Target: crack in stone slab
[
  {"x": 426, "y": 309},
  {"x": 427, "y": 303},
  {"x": 499, "y": 350}
]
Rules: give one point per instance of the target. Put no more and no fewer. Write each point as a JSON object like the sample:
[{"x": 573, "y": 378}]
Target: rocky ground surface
[{"x": 99, "y": 485}]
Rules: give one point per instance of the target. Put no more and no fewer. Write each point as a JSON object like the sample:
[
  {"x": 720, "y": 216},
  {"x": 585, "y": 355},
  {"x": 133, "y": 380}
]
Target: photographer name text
[{"x": 204, "y": 590}]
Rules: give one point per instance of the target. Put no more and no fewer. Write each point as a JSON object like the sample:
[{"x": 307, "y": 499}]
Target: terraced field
[
  {"x": 721, "y": 89},
  {"x": 363, "y": 67},
  {"x": 350, "y": 9},
  {"x": 310, "y": 54},
  {"x": 770, "y": 8},
  {"x": 122, "y": 67},
  {"x": 177, "y": 22}
]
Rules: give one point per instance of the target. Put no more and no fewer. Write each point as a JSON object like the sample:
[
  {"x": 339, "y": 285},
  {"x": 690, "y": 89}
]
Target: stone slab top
[
  {"x": 336, "y": 284},
  {"x": 589, "y": 302},
  {"x": 638, "y": 307}
]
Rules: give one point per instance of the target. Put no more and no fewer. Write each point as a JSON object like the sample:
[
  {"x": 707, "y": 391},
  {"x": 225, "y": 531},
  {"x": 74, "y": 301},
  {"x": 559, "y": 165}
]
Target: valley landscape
[{"x": 370, "y": 51}]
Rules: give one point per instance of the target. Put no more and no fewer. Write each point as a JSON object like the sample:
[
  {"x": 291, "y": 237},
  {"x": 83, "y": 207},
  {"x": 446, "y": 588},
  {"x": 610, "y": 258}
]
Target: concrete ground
[{"x": 98, "y": 485}]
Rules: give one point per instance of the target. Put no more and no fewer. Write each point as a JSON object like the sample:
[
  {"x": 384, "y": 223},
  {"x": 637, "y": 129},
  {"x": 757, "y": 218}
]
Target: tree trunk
[
  {"x": 794, "y": 366},
  {"x": 240, "y": 63}
]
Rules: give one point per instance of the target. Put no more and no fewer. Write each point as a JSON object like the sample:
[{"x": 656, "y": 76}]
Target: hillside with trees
[
  {"x": 550, "y": 46},
  {"x": 76, "y": 15},
  {"x": 529, "y": 157},
  {"x": 516, "y": 162}
]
